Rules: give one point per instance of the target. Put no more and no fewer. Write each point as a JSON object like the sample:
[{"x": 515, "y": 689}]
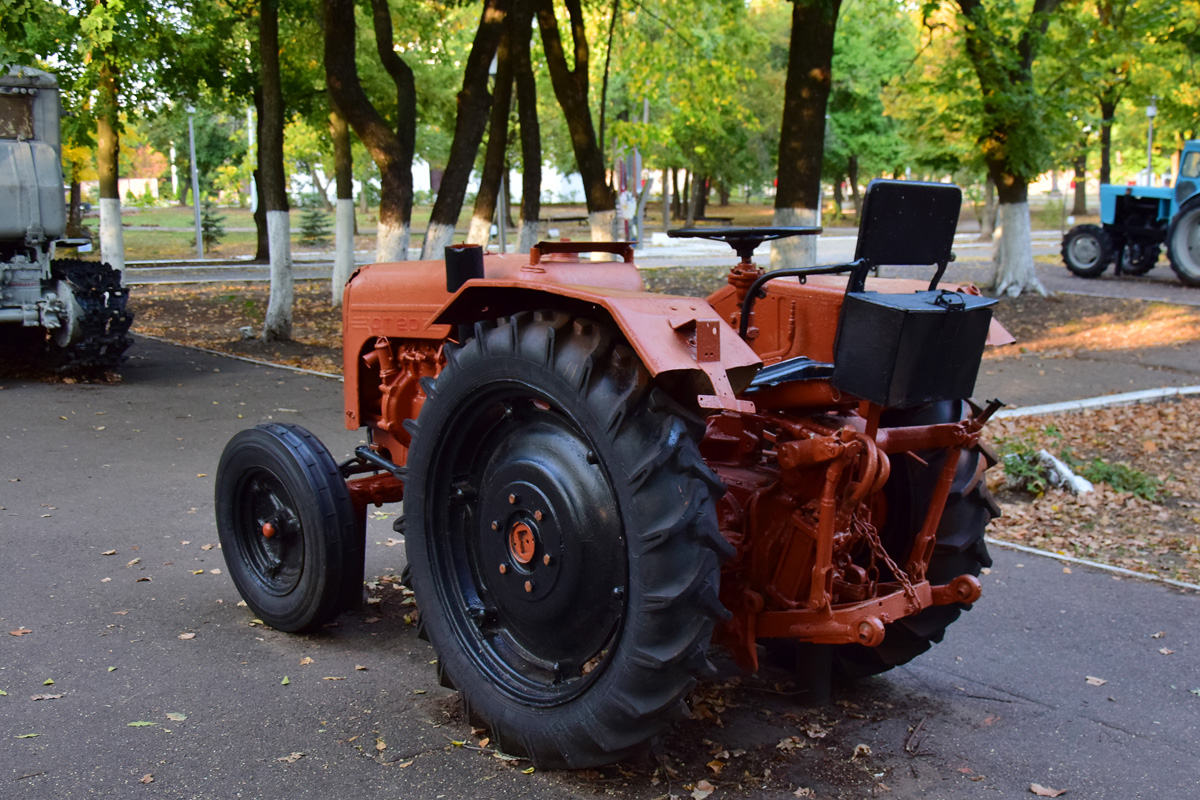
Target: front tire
[
  {"x": 1183, "y": 244},
  {"x": 291, "y": 539},
  {"x": 1087, "y": 250},
  {"x": 562, "y": 533}
]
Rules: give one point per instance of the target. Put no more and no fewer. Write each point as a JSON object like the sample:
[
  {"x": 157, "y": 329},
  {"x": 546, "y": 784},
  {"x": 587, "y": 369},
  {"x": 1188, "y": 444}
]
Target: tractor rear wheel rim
[
  {"x": 1085, "y": 251},
  {"x": 271, "y": 533},
  {"x": 529, "y": 544}
]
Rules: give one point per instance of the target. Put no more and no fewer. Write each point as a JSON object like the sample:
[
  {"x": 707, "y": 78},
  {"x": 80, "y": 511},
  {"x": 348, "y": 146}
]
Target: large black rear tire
[
  {"x": 562, "y": 534},
  {"x": 1183, "y": 243},
  {"x": 291, "y": 539}
]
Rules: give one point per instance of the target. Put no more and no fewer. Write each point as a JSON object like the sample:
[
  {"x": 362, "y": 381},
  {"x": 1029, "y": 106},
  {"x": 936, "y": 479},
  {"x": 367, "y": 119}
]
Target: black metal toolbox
[{"x": 902, "y": 350}]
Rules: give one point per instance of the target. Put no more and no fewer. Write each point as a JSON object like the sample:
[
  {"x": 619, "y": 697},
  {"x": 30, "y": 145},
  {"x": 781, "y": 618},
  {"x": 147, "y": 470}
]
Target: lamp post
[
  {"x": 191, "y": 110},
  {"x": 1151, "y": 113}
]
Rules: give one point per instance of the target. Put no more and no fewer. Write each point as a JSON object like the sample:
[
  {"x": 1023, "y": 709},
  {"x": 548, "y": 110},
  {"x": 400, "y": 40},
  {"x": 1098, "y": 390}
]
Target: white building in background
[{"x": 138, "y": 186}]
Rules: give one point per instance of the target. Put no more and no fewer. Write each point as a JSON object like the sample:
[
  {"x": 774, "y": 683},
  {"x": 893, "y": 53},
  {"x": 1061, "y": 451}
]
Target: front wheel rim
[
  {"x": 526, "y": 544},
  {"x": 270, "y": 533},
  {"x": 1085, "y": 251}
]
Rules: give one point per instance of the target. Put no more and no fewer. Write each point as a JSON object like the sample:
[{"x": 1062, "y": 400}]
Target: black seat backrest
[{"x": 908, "y": 223}]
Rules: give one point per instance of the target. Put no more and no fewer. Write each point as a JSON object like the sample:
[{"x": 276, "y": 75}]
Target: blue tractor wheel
[
  {"x": 1183, "y": 243},
  {"x": 1087, "y": 250}
]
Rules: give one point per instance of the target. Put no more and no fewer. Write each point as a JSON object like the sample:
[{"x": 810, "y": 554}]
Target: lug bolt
[
  {"x": 529, "y": 586},
  {"x": 495, "y": 525},
  {"x": 537, "y": 515},
  {"x": 546, "y": 559},
  {"x": 503, "y": 568},
  {"x": 512, "y": 499}
]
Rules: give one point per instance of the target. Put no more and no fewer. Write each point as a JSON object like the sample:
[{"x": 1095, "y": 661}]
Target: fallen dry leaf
[
  {"x": 1094, "y": 681},
  {"x": 703, "y": 789},
  {"x": 20, "y": 632},
  {"x": 291, "y": 759},
  {"x": 1166, "y": 651},
  {"x": 109, "y": 553},
  {"x": 46, "y": 697},
  {"x": 134, "y": 562},
  {"x": 175, "y": 716},
  {"x": 207, "y": 546},
  {"x": 802, "y": 791},
  {"x": 716, "y": 766},
  {"x": 147, "y": 778},
  {"x": 186, "y": 636},
  {"x": 334, "y": 678},
  {"x": 304, "y": 662},
  {"x": 380, "y": 745},
  {"x": 1042, "y": 791}
]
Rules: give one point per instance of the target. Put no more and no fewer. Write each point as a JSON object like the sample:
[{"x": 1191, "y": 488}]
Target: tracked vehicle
[
  {"x": 599, "y": 482},
  {"x": 67, "y": 311}
]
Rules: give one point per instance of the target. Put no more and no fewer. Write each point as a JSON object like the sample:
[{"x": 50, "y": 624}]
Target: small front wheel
[
  {"x": 1087, "y": 250},
  {"x": 288, "y": 529}
]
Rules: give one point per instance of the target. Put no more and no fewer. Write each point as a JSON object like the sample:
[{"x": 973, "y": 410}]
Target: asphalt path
[{"x": 1003, "y": 703}]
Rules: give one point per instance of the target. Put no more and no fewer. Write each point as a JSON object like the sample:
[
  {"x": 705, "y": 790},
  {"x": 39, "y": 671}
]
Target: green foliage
[
  {"x": 212, "y": 224},
  {"x": 1026, "y": 473},
  {"x": 1121, "y": 477},
  {"x": 1022, "y": 468},
  {"x": 315, "y": 227}
]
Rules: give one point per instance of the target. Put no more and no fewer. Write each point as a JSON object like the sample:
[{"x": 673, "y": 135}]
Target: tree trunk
[
  {"x": 343, "y": 175},
  {"x": 1013, "y": 252},
  {"x": 531, "y": 135},
  {"x": 802, "y": 134},
  {"x": 494, "y": 160},
  {"x": 75, "y": 228},
  {"x": 322, "y": 191},
  {"x": 571, "y": 89},
  {"x": 723, "y": 193},
  {"x": 392, "y": 151},
  {"x": 987, "y": 225},
  {"x": 699, "y": 197},
  {"x": 474, "y": 102},
  {"x": 262, "y": 251},
  {"x": 666, "y": 198},
  {"x": 1107, "y": 109},
  {"x": 1080, "y": 208},
  {"x": 852, "y": 176},
  {"x": 838, "y": 198},
  {"x": 689, "y": 192},
  {"x": 108, "y": 148},
  {"x": 676, "y": 196},
  {"x": 278, "y": 324}
]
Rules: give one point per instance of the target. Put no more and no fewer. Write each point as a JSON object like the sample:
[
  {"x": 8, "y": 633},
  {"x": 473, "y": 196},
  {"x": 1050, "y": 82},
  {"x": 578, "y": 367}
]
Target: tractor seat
[{"x": 801, "y": 368}]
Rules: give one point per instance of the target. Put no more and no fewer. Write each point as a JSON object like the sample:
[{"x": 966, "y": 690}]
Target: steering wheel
[{"x": 744, "y": 241}]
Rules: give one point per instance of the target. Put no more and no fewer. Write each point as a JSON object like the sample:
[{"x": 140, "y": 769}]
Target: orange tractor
[{"x": 598, "y": 481}]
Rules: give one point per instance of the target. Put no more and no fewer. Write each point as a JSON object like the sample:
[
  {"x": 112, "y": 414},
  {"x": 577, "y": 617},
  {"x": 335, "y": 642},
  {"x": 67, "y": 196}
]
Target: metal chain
[{"x": 877, "y": 550}]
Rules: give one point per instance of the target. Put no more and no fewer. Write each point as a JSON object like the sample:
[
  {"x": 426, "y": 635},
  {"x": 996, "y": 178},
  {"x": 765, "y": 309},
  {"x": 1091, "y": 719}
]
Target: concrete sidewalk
[{"x": 1002, "y": 703}]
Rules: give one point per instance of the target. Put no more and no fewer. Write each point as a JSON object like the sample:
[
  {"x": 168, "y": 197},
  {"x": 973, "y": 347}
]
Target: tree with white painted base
[
  {"x": 802, "y": 133},
  {"x": 278, "y": 323},
  {"x": 571, "y": 89},
  {"x": 474, "y": 104},
  {"x": 1015, "y": 121},
  {"x": 343, "y": 256},
  {"x": 392, "y": 150}
]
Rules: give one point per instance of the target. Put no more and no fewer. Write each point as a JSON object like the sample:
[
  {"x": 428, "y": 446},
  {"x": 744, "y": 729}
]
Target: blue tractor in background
[{"x": 1136, "y": 221}]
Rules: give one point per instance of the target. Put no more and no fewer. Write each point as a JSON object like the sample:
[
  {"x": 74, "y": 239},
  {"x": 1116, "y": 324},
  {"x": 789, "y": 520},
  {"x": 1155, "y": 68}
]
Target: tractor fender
[{"x": 673, "y": 336}]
